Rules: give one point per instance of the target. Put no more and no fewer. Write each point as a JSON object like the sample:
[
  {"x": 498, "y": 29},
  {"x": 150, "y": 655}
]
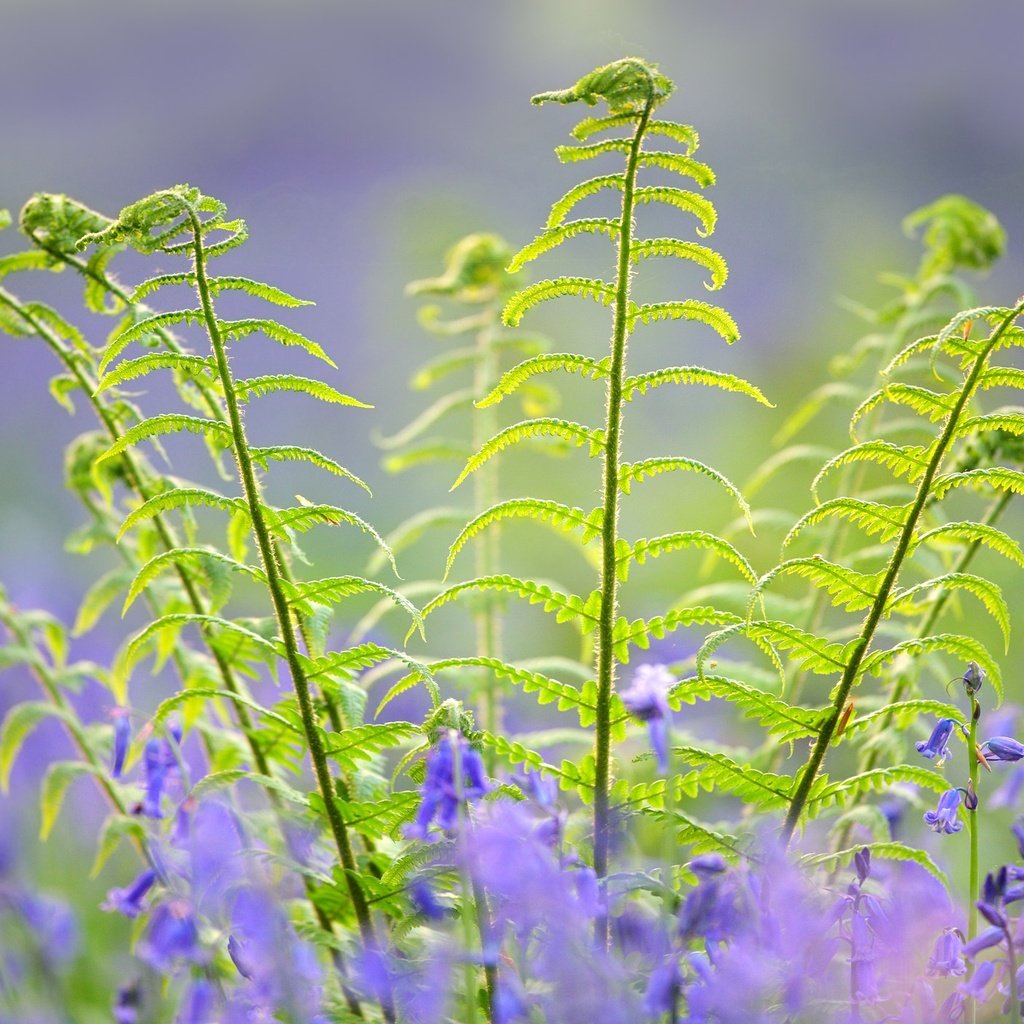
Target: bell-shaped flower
[
  {"x": 122, "y": 736},
  {"x": 128, "y": 901},
  {"x": 944, "y": 818},
  {"x": 937, "y": 745},
  {"x": 442, "y": 791},
  {"x": 1002, "y": 748},
  {"x": 647, "y": 700},
  {"x": 947, "y": 957}
]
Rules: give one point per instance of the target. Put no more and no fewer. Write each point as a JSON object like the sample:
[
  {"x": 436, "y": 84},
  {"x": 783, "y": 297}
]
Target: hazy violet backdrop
[{"x": 360, "y": 140}]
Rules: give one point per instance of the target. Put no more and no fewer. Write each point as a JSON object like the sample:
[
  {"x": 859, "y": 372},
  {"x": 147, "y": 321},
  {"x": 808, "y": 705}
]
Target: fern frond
[
  {"x": 809, "y": 652},
  {"x": 335, "y": 588},
  {"x": 1000, "y": 377},
  {"x": 928, "y": 403},
  {"x": 566, "y": 607},
  {"x": 257, "y": 289},
  {"x": 257, "y": 387},
  {"x": 720, "y": 773},
  {"x": 710, "y": 260},
  {"x": 786, "y": 722},
  {"x": 145, "y": 328},
  {"x": 461, "y": 399},
  {"x": 430, "y": 451},
  {"x": 638, "y": 633},
  {"x": 539, "y": 509},
  {"x": 169, "y": 423},
  {"x": 178, "y": 498},
  {"x": 974, "y": 533},
  {"x": 592, "y": 125},
  {"x": 988, "y": 593},
  {"x": 569, "y": 362},
  {"x": 678, "y": 164},
  {"x": 871, "y": 516},
  {"x": 691, "y": 375},
  {"x": 132, "y": 369},
  {"x": 690, "y": 309},
  {"x": 635, "y": 472},
  {"x": 295, "y": 453},
  {"x": 304, "y": 517},
  {"x": 999, "y": 478},
  {"x": 543, "y": 426},
  {"x": 842, "y": 792},
  {"x": 847, "y": 588},
  {"x": 530, "y": 296},
  {"x": 560, "y": 210},
  {"x": 553, "y": 237},
  {"x": 681, "y": 199},
  {"x": 231, "y": 329},
  {"x": 1009, "y": 420},
  {"x": 990, "y": 314},
  {"x": 902, "y": 712},
  {"x": 439, "y": 368},
  {"x": 686, "y": 135},
  {"x": 574, "y": 154},
  {"x": 900, "y": 460},
  {"x": 180, "y": 556},
  {"x": 656, "y": 546},
  {"x": 154, "y": 284},
  {"x": 962, "y": 648},
  {"x": 884, "y": 851}
]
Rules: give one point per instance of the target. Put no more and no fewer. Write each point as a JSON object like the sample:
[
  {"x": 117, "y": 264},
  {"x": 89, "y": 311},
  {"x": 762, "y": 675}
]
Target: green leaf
[
  {"x": 531, "y": 295},
  {"x": 185, "y": 278},
  {"x": 809, "y": 652},
  {"x": 55, "y": 784},
  {"x": 908, "y": 460},
  {"x": 635, "y": 472},
  {"x": 681, "y": 199},
  {"x": 169, "y": 423},
  {"x": 19, "y": 722},
  {"x": 176, "y": 558},
  {"x": 555, "y": 236},
  {"x": 132, "y": 369},
  {"x": 827, "y": 794},
  {"x": 644, "y": 549},
  {"x": 256, "y": 387},
  {"x": 304, "y": 517},
  {"x": 710, "y": 260},
  {"x": 295, "y": 453},
  {"x": 847, "y": 588},
  {"x": 543, "y": 426},
  {"x": 885, "y": 851},
  {"x": 541, "y": 510},
  {"x": 461, "y": 399},
  {"x": 560, "y": 210},
  {"x": 871, "y": 516},
  {"x": 567, "y": 607},
  {"x": 675, "y": 162},
  {"x": 231, "y": 776},
  {"x": 690, "y": 309},
  {"x": 335, "y": 588},
  {"x": 574, "y": 154},
  {"x": 638, "y": 633},
  {"x": 98, "y": 598},
  {"x": 412, "y": 529},
  {"x": 927, "y": 403},
  {"x": 974, "y": 533},
  {"x": 177, "y": 498},
  {"x": 511, "y": 380},
  {"x": 719, "y": 772},
  {"x": 1010, "y": 421},
  {"x": 257, "y": 289},
  {"x": 997, "y": 477},
  {"x": 690, "y": 375},
  {"x": 988, "y": 593},
  {"x": 276, "y": 332},
  {"x": 144, "y": 328}
]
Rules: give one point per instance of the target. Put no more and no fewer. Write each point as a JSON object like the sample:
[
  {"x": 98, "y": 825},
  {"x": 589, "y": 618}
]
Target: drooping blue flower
[
  {"x": 172, "y": 936},
  {"x": 647, "y": 700},
  {"x": 422, "y": 897},
  {"x": 155, "y": 768},
  {"x": 122, "y": 736},
  {"x": 53, "y": 924},
  {"x": 937, "y": 745},
  {"x": 1002, "y": 748},
  {"x": 197, "y": 1007},
  {"x": 442, "y": 793},
  {"x": 973, "y": 677},
  {"x": 978, "y": 983},
  {"x": 944, "y": 818},
  {"x": 983, "y": 940},
  {"x": 947, "y": 957},
  {"x": 127, "y": 1004},
  {"x": 128, "y": 901},
  {"x": 662, "y": 993}
]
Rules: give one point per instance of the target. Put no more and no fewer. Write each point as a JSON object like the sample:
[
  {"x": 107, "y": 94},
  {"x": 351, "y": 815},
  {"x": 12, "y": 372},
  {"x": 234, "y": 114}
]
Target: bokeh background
[{"x": 360, "y": 139}]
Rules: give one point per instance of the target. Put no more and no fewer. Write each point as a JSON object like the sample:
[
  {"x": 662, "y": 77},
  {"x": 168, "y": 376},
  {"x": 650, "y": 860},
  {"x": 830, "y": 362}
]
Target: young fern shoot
[{"x": 632, "y": 90}]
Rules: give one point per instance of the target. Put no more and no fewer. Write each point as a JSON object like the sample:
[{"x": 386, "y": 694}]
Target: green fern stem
[
  {"x": 609, "y": 526},
  {"x": 814, "y": 761},
  {"x": 485, "y": 494},
  {"x": 271, "y": 567},
  {"x": 972, "y": 818}
]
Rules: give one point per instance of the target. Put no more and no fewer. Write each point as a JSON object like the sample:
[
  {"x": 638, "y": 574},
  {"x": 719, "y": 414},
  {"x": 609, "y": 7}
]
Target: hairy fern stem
[
  {"x": 860, "y": 647},
  {"x": 609, "y": 522}
]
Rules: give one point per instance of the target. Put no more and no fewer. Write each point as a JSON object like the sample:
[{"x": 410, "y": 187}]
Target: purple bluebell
[
  {"x": 442, "y": 793},
  {"x": 122, "y": 736},
  {"x": 647, "y": 700},
  {"x": 973, "y": 677},
  {"x": 155, "y": 767},
  {"x": 127, "y": 1004},
  {"x": 128, "y": 901},
  {"x": 976, "y": 985},
  {"x": 937, "y": 745},
  {"x": 53, "y": 924},
  {"x": 1002, "y": 748},
  {"x": 198, "y": 1004},
  {"x": 172, "y": 936},
  {"x": 662, "y": 993},
  {"x": 983, "y": 940},
  {"x": 425, "y": 903},
  {"x": 862, "y": 864},
  {"x": 944, "y": 818},
  {"x": 947, "y": 957}
]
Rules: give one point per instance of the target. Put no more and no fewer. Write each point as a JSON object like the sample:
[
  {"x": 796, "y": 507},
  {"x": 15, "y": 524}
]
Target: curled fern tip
[{"x": 626, "y": 85}]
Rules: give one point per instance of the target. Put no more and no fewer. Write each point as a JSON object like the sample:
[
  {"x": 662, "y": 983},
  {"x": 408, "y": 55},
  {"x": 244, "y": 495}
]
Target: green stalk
[
  {"x": 609, "y": 524},
  {"x": 285, "y": 622},
  {"x": 466, "y": 914},
  {"x": 973, "y": 888},
  {"x": 1011, "y": 956},
  {"x": 863, "y": 642}
]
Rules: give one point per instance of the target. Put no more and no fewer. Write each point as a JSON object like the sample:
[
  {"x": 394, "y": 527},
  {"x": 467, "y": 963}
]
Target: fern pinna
[
  {"x": 632, "y": 90},
  {"x": 475, "y": 286}
]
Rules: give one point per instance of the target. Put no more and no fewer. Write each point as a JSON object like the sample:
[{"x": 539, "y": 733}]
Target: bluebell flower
[
  {"x": 944, "y": 818},
  {"x": 441, "y": 794},
  {"x": 197, "y": 1007},
  {"x": 937, "y": 745},
  {"x": 976, "y": 985},
  {"x": 982, "y": 941},
  {"x": 128, "y": 901},
  {"x": 53, "y": 924},
  {"x": 647, "y": 700},
  {"x": 425, "y": 902},
  {"x": 662, "y": 993},
  {"x": 127, "y": 1004},
  {"x": 172, "y": 936},
  {"x": 1002, "y": 748},
  {"x": 973, "y": 677},
  {"x": 155, "y": 768},
  {"x": 947, "y": 957},
  {"x": 122, "y": 736}
]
